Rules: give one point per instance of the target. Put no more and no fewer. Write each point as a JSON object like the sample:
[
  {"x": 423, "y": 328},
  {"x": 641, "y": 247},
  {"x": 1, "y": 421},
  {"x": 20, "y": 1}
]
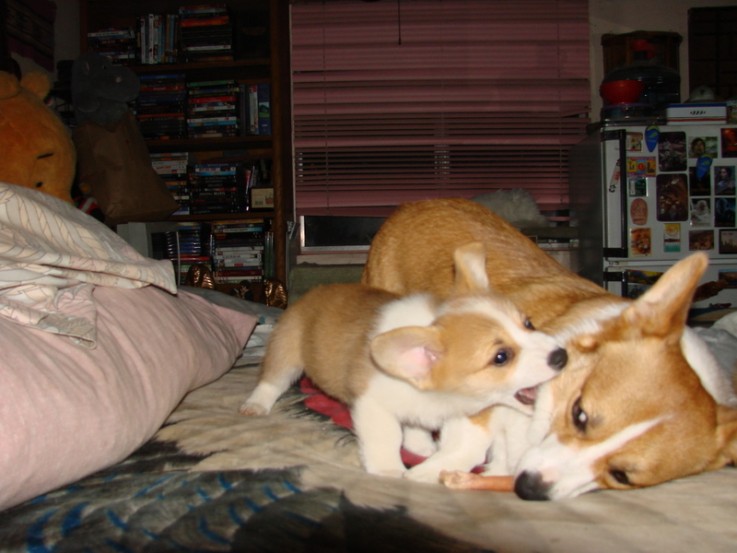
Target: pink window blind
[{"x": 398, "y": 100}]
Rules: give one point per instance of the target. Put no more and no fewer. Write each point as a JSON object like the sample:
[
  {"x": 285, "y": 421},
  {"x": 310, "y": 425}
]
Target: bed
[{"x": 153, "y": 455}]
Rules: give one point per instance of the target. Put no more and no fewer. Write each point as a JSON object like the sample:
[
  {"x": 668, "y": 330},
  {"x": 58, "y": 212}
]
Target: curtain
[{"x": 398, "y": 100}]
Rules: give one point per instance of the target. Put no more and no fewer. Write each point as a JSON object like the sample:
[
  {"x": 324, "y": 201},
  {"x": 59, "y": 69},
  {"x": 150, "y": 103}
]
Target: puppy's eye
[
  {"x": 528, "y": 324},
  {"x": 502, "y": 357},
  {"x": 620, "y": 476},
  {"x": 579, "y": 416}
]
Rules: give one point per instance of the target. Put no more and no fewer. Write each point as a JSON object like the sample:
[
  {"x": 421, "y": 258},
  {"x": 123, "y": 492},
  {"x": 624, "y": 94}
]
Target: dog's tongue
[{"x": 526, "y": 396}]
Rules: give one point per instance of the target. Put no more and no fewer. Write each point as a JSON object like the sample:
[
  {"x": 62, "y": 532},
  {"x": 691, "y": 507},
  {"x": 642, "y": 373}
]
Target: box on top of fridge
[{"x": 696, "y": 113}]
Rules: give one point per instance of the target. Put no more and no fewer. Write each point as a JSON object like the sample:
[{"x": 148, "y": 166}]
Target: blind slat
[{"x": 447, "y": 99}]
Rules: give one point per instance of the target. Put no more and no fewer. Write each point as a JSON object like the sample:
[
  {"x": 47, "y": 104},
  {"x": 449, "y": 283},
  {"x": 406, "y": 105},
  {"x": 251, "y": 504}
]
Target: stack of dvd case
[
  {"x": 157, "y": 38},
  {"x": 237, "y": 250},
  {"x": 118, "y": 44},
  {"x": 217, "y": 187},
  {"x": 205, "y": 33},
  {"x": 188, "y": 244},
  {"x": 172, "y": 168},
  {"x": 212, "y": 109},
  {"x": 161, "y": 106}
]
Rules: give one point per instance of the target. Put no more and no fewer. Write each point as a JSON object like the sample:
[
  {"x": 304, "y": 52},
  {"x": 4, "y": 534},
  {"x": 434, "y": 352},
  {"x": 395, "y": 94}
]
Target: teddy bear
[{"x": 37, "y": 149}]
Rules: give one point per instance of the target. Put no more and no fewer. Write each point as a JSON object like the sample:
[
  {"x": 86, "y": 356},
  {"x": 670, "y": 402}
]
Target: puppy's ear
[
  {"x": 663, "y": 309},
  {"x": 408, "y": 353},
  {"x": 470, "y": 268}
]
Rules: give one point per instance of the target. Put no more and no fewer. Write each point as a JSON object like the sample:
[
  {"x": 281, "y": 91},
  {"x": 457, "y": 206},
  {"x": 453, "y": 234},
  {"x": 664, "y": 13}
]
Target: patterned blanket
[{"x": 213, "y": 480}]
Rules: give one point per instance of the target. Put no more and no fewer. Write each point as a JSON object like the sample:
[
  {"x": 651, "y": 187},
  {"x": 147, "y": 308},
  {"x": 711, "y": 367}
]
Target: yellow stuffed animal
[{"x": 36, "y": 150}]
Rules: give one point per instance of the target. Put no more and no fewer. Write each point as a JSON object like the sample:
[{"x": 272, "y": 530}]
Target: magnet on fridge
[
  {"x": 651, "y": 138},
  {"x": 671, "y": 192},
  {"x": 672, "y": 237},
  {"x": 728, "y": 245},
  {"x": 634, "y": 142},
  {"x": 637, "y": 187},
  {"x": 703, "y": 165},
  {"x": 640, "y": 241},
  {"x": 700, "y": 240},
  {"x": 638, "y": 211},
  {"x": 701, "y": 212}
]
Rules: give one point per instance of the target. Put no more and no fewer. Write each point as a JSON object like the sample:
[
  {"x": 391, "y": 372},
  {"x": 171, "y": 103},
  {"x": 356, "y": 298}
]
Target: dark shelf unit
[{"x": 267, "y": 63}]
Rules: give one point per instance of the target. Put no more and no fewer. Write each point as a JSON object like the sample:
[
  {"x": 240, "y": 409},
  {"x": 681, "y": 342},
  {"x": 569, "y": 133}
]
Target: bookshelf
[{"x": 259, "y": 56}]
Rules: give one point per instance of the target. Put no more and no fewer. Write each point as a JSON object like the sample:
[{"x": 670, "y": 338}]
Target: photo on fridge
[{"x": 672, "y": 197}]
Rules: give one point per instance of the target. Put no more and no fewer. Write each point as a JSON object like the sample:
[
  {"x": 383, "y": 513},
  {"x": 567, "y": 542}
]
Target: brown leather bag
[{"x": 115, "y": 166}]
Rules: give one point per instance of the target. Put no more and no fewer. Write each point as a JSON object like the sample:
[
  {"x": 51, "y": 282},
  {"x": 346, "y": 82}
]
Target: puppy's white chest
[{"x": 410, "y": 405}]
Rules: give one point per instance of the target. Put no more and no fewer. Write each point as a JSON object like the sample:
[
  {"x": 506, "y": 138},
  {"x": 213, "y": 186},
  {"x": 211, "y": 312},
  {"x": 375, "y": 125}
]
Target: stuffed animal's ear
[
  {"x": 663, "y": 309},
  {"x": 37, "y": 83},
  {"x": 408, "y": 353},
  {"x": 470, "y": 268}
]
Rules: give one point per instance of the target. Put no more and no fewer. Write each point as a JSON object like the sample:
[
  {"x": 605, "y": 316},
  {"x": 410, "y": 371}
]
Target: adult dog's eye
[
  {"x": 579, "y": 416},
  {"x": 502, "y": 357},
  {"x": 620, "y": 476},
  {"x": 528, "y": 324}
]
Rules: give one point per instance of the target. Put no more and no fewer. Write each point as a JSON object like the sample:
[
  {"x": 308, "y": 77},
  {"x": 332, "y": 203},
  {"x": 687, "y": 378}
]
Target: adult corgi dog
[
  {"x": 407, "y": 365},
  {"x": 642, "y": 400}
]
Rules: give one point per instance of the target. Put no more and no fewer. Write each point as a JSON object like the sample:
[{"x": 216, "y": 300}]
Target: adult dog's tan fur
[{"x": 629, "y": 410}]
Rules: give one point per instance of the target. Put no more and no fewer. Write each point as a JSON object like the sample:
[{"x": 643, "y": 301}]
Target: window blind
[{"x": 398, "y": 100}]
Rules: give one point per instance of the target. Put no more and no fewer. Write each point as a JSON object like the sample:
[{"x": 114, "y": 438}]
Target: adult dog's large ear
[
  {"x": 663, "y": 309},
  {"x": 470, "y": 268},
  {"x": 726, "y": 436}
]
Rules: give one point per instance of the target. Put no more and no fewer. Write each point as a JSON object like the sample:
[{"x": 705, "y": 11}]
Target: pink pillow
[{"x": 67, "y": 411}]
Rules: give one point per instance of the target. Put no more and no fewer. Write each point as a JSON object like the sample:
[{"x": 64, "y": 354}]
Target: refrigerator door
[
  {"x": 675, "y": 199},
  {"x": 649, "y": 196}
]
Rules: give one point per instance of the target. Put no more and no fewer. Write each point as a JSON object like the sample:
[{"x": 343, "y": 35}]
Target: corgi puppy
[
  {"x": 407, "y": 365},
  {"x": 642, "y": 401}
]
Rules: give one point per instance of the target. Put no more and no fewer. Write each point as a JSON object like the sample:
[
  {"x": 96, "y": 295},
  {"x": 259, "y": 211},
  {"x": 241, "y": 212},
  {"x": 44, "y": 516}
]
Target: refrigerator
[{"x": 643, "y": 197}]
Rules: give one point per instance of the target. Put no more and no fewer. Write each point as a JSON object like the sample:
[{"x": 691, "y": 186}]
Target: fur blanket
[{"x": 213, "y": 480}]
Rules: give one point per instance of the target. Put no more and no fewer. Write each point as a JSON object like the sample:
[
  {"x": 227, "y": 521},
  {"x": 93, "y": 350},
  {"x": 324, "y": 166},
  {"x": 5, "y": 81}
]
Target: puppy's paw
[
  {"x": 420, "y": 442},
  {"x": 423, "y": 473},
  {"x": 251, "y": 409}
]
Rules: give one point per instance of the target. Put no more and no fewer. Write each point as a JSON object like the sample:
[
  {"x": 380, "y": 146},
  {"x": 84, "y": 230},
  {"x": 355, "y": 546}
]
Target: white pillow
[{"x": 67, "y": 411}]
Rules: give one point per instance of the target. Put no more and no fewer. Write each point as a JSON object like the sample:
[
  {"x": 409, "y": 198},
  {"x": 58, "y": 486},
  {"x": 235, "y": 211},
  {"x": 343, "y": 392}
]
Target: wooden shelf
[
  {"x": 250, "y": 70},
  {"x": 218, "y": 66},
  {"x": 260, "y": 146},
  {"x": 244, "y": 215}
]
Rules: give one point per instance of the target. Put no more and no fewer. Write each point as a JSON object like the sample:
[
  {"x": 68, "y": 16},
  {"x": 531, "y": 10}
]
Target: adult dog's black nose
[
  {"x": 530, "y": 486},
  {"x": 558, "y": 359}
]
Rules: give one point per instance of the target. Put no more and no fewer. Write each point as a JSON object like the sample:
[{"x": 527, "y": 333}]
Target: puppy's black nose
[{"x": 558, "y": 359}]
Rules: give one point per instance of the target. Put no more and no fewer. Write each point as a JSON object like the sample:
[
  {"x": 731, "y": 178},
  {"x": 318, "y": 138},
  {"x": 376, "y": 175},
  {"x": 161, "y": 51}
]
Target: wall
[
  {"x": 66, "y": 36},
  {"x": 606, "y": 16},
  {"x": 624, "y": 16}
]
